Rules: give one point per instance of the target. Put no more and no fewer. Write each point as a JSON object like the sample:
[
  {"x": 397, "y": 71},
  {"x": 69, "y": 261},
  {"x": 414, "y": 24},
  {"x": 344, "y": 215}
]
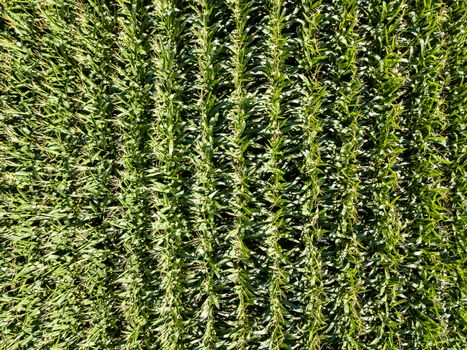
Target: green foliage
[{"x": 236, "y": 174}]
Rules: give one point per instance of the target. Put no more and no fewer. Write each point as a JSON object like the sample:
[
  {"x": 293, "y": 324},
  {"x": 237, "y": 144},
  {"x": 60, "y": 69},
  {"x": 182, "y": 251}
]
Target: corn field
[{"x": 236, "y": 174}]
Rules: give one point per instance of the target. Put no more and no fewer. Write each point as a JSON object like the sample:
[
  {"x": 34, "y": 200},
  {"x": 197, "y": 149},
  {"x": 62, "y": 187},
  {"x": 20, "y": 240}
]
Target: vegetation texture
[{"x": 236, "y": 174}]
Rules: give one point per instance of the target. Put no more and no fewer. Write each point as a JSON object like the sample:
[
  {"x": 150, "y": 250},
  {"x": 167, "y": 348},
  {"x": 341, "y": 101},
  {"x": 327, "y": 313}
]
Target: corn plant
[{"x": 238, "y": 174}]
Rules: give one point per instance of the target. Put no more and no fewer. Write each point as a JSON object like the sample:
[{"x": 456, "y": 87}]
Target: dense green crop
[{"x": 237, "y": 174}]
